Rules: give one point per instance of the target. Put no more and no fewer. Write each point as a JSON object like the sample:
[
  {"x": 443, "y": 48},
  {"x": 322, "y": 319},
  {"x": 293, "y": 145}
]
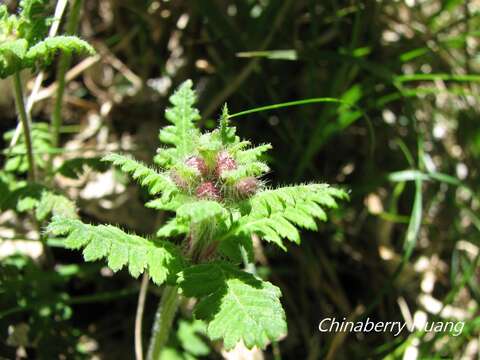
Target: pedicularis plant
[{"x": 212, "y": 184}]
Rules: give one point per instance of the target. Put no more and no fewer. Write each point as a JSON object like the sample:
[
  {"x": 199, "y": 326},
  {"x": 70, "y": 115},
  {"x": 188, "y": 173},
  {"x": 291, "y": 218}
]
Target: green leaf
[
  {"x": 227, "y": 132},
  {"x": 236, "y": 305},
  {"x": 252, "y": 154},
  {"x": 12, "y": 54},
  {"x": 253, "y": 168},
  {"x": 172, "y": 228},
  {"x": 191, "y": 341},
  {"x": 231, "y": 248},
  {"x": 154, "y": 181},
  {"x": 45, "y": 50},
  {"x": 57, "y": 205},
  {"x": 161, "y": 259},
  {"x": 183, "y": 134},
  {"x": 33, "y": 20},
  {"x": 274, "y": 213},
  {"x": 23, "y": 197},
  {"x": 74, "y": 168},
  {"x": 41, "y": 142},
  {"x": 199, "y": 211}
]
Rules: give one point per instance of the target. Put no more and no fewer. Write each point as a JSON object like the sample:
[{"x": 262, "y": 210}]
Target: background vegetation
[{"x": 396, "y": 124}]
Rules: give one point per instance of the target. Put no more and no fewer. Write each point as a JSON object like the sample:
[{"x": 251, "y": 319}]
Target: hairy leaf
[
  {"x": 161, "y": 259},
  {"x": 154, "y": 181},
  {"x": 44, "y": 51},
  {"x": 236, "y": 305},
  {"x": 275, "y": 213},
  {"x": 227, "y": 132},
  {"x": 183, "y": 134},
  {"x": 199, "y": 211}
]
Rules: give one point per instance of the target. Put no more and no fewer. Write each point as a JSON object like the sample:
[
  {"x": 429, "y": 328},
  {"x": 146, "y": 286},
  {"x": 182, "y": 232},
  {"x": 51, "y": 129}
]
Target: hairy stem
[
  {"x": 63, "y": 64},
  {"x": 22, "y": 115},
  {"x": 163, "y": 322},
  {"x": 139, "y": 316}
]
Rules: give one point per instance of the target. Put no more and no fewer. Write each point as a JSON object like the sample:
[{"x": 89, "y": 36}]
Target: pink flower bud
[
  {"x": 207, "y": 190},
  {"x": 246, "y": 187},
  {"x": 198, "y": 164},
  {"x": 224, "y": 163}
]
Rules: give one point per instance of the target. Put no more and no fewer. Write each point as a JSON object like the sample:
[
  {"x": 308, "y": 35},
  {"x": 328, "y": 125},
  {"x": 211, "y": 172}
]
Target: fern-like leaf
[
  {"x": 183, "y": 134},
  {"x": 275, "y": 213},
  {"x": 44, "y": 51},
  {"x": 227, "y": 132},
  {"x": 235, "y": 304},
  {"x": 162, "y": 259},
  {"x": 252, "y": 154},
  {"x": 155, "y": 182}
]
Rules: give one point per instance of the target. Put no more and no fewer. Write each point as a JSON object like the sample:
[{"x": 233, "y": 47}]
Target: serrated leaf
[
  {"x": 96, "y": 249},
  {"x": 146, "y": 176},
  {"x": 227, "y": 132},
  {"x": 183, "y": 134},
  {"x": 119, "y": 256},
  {"x": 253, "y": 168},
  {"x": 137, "y": 260},
  {"x": 162, "y": 259},
  {"x": 44, "y": 50},
  {"x": 274, "y": 213},
  {"x": 236, "y": 305},
  {"x": 75, "y": 239},
  {"x": 252, "y": 154},
  {"x": 199, "y": 211},
  {"x": 173, "y": 227}
]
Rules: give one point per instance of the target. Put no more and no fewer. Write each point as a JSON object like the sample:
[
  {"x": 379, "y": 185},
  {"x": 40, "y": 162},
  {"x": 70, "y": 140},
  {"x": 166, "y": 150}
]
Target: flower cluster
[{"x": 206, "y": 181}]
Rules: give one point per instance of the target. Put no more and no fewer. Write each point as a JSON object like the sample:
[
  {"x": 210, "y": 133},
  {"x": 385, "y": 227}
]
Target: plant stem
[
  {"x": 139, "y": 316},
  {"x": 163, "y": 321},
  {"x": 63, "y": 64},
  {"x": 22, "y": 114}
]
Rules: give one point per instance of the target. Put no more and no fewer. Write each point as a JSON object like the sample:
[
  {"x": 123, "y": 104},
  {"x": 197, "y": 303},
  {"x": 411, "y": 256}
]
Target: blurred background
[{"x": 395, "y": 121}]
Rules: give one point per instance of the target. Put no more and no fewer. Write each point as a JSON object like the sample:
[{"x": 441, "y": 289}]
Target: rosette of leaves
[
  {"x": 22, "y": 38},
  {"x": 211, "y": 183}
]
